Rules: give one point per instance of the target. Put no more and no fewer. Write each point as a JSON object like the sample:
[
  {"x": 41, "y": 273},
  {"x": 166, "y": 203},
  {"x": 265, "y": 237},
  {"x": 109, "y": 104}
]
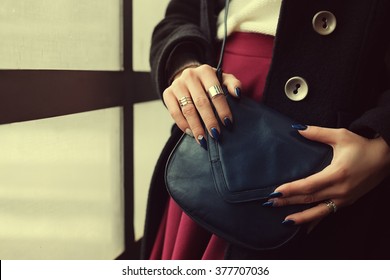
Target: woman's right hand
[{"x": 194, "y": 82}]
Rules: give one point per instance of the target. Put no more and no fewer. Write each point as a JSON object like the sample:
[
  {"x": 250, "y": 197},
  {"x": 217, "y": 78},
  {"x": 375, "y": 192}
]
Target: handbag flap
[{"x": 262, "y": 152}]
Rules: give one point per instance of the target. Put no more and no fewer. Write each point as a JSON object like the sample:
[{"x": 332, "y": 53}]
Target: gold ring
[
  {"x": 214, "y": 91},
  {"x": 185, "y": 100},
  {"x": 331, "y": 205}
]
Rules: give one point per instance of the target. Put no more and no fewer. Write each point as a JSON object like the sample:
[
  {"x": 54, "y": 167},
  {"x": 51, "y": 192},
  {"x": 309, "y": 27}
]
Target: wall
[{"x": 61, "y": 178}]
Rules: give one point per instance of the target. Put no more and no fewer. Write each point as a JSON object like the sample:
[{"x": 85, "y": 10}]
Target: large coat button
[
  {"x": 296, "y": 88},
  {"x": 324, "y": 22}
]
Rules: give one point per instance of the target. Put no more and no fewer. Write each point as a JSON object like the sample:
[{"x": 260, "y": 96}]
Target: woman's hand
[
  {"x": 189, "y": 103},
  {"x": 358, "y": 166}
]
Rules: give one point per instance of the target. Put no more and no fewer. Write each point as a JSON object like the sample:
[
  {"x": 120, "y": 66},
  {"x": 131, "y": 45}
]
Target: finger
[
  {"x": 233, "y": 85},
  {"x": 317, "y": 212},
  {"x": 221, "y": 105},
  {"x": 186, "y": 117},
  {"x": 190, "y": 81},
  {"x": 308, "y": 185},
  {"x": 201, "y": 101},
  {"x": 174, "y": 109},
  {"x": 321, "y": 134},
  {"x": 199, "y": 80},
  {"x": 190, "y": 113},
  {"x": 304, "y": 198},
  {"x": 211, "y": 85}
]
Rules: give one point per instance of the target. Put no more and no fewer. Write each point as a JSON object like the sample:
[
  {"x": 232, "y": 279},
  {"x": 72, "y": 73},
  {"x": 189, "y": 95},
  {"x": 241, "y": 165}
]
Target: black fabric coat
[{"x": 348, "y": 87}]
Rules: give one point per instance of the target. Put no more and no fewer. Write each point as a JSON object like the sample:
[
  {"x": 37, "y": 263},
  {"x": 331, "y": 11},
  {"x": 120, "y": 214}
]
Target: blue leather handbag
[{"x": 223, "y": 189}]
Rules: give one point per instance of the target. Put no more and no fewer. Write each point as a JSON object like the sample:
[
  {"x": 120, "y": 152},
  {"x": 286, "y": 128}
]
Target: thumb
[{"x": 319, "y": 134}]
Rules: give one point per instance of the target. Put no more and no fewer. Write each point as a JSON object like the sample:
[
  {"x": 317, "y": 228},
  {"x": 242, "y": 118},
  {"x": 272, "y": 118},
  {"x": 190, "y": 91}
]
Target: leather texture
[{"x": 223, "y": 188}]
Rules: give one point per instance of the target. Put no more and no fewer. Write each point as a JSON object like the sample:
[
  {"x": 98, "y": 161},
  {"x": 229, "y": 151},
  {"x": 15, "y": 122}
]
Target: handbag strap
[{"x": 220, "y": 62}]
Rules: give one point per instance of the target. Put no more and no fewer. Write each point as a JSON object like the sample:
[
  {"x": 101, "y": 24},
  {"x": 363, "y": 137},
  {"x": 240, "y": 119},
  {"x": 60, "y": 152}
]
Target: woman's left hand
[{"x": 358, "y": 166}]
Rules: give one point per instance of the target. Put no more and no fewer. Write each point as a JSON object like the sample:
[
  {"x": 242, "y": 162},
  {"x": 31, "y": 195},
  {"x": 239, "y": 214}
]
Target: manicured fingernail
[
  {"x": 275, "y": 195},
  {"x": 228, "y": 123},
  {"x": 268, "y": 204},
  {"x": 288, "y": 223},
  {"x": 189, "y": 132},
  {"x": 202, "y": 141},
  {"x": 299, "y": 126},
  {"x": 237, "y": 91},
  {"x": 215, "y": 134}
]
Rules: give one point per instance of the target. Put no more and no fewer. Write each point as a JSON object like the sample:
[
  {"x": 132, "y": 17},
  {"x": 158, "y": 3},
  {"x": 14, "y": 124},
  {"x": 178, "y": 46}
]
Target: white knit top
[{"x": 256, "y": 16}]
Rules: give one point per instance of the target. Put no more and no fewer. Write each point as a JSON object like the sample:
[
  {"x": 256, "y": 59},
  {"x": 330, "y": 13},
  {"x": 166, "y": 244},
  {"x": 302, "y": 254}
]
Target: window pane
[
  {"x": 146, "y": 14},
  {"x": 61, "y": 187},
  {"x": 149, "y": 140},
  {"x": 61, "y": 34}
]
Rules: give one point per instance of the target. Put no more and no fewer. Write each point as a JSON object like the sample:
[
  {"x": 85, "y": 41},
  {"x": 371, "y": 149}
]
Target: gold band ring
[
  {"x": 185, "y": 100},
  {"x": 331, "y": 205},
  {"x": 214, "y": 91}
]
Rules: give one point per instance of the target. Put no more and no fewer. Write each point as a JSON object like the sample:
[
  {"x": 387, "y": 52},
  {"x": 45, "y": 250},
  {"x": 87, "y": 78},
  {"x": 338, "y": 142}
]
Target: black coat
[{"x": 348, "y": 87}]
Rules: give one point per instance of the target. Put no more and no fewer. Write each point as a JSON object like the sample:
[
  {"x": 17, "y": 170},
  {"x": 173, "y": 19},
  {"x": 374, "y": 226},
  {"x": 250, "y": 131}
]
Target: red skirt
[{"x": 248, "y": 57}]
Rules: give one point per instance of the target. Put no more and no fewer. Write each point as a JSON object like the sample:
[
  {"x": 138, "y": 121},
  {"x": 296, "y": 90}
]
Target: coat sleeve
[
  {"x": 178, "y": 38},
  {"x": 376, "y": 121}
]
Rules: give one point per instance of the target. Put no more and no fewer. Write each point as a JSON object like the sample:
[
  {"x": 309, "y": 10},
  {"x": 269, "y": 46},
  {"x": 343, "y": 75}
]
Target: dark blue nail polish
[
  {"x": 299, "y": 126},
  {"x": 268, "y": 204},
  {"x": 237, "y": 91},
  {"x": 215, "y": 134},
  {"x": 288, "y": 223},
  {"x": 228, "y": 123},
  {"x": 202, "y": 141},
  {"x": 275, "y": 195}
]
